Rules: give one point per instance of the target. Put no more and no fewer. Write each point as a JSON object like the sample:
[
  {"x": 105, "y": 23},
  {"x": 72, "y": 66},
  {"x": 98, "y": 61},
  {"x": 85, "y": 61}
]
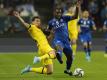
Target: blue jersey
[
  {"x": 85, "y": 25},
  {"x": 60, "y": 27}
]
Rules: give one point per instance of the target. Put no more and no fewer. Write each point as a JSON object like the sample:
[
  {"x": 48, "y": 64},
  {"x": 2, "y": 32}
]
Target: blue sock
[
  {"x": 60, "y": 52},
  {"x": 68, "y": 63},
  {"x": 89, "y": 51},
  {"x": 86, "y": 50},
  {"x": 68, "y": 54}
]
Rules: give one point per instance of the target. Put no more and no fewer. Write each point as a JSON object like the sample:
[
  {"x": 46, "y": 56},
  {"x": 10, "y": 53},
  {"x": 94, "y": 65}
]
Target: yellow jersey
[
  {"x": 41, "y": 39},
  {"x": 37, "y": 35},
  {"x": 72, "y": 24},
  {"x": 72, "y": 27}
]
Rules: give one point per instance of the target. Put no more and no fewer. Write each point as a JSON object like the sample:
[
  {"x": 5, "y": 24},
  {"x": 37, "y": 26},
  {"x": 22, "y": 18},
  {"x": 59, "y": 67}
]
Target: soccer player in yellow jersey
[
  {"x": 73, "y": 29},
  {"x": 45, "y": 51}
]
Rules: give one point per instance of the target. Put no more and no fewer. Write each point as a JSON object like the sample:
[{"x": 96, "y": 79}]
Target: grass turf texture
[{"x": 11, "y": 65}]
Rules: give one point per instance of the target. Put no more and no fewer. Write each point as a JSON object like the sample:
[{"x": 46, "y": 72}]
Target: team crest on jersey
[
  {"x": 61, "y": 20},
  {"x": 53, "y": 23},
  {"x": 81, "y": 21},
  {"x": 88, "y": 22},
  {"x": 57, "y": 22}
]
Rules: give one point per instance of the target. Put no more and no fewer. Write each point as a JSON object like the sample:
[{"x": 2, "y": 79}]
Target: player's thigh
[
  {"x": 45, "y": 49},
  {"x": 81, "y": 38},
  {"x": 73, "y": 41},
  {"x": 89, "y": 39},
  {"x": 85, "y": 44},
  {"x": 73, "y": 36},
  {"x": 58, "y": 45},
  {"x": 67, "y": 48},
  {"x": 47, "y": 61}
]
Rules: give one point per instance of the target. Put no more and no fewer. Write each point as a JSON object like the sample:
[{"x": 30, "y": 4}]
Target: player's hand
[
  {"x": 15, "y": 13},
  {"x": 78, "y": 3}
]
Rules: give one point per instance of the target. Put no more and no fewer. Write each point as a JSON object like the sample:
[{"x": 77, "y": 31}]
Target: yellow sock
[
  {"x": 74, "y": 47},
  {"x": 47, "y": 56},
  {"x": 41, "y": 70}
]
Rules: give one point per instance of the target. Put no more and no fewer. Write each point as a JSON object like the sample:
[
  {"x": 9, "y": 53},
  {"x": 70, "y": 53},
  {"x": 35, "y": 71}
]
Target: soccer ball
[{"x": 78, "y": 72}]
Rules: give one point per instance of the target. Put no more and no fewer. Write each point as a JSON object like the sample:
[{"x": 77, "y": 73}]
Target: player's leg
[
  {"x": 68, "y": 53},
  {"x": 74, "y": 46},
  {"x": 89, "y": 48},
  {"x": 84, "y": 40},
  {"x": 47, "y": 69},
  {"x": 73, "y": 39},
  {"x": 86, "y": 49},
  {"x": 50, "y": 55},
  {"x": 59, "y": 50},
  {"x": 89, "y": 42}
]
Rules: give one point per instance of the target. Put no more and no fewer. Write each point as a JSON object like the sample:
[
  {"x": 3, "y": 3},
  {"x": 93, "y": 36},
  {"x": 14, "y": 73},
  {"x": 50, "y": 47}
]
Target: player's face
[
  {"x": 37, "y": 22},
  {"x": 85, "y": 14},
  {"x": 58, "y": 13}
]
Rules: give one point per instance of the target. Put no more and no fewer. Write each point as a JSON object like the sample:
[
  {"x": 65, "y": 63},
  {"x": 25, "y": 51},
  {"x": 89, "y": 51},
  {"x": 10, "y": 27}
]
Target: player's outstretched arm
[
  {"x": 75, "y": 16},
  {"x": 16, "y": 14}
]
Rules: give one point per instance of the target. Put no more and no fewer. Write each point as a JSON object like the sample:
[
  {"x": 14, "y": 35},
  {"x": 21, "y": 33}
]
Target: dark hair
[
  {"x": 59, "y": 8},
  {"x": 35, "y": 17}
]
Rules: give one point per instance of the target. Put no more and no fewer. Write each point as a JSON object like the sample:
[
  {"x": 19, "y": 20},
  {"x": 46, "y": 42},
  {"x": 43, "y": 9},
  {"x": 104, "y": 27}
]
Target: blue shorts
[
  {"x": 63, "y": 44},
  {"x": 85, "y": 37}
]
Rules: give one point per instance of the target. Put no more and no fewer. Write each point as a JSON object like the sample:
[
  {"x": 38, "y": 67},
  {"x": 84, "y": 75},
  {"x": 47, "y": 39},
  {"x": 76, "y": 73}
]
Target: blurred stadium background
[{"x": 13, "y": 37}]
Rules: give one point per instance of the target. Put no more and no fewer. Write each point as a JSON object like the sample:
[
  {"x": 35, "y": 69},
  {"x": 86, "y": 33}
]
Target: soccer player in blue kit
[
  {"x": 105, "y": 29},
  {"x": 58, "y": 26},
  {"x": 85, "y": 37}
]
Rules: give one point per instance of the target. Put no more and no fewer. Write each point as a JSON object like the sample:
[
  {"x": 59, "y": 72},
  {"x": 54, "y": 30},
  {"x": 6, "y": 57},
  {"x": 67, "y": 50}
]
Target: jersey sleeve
[
  {"x": 67, "y": 18},
  {"x": 49, "y": 25},
  {"x": 92, "y": 23}
]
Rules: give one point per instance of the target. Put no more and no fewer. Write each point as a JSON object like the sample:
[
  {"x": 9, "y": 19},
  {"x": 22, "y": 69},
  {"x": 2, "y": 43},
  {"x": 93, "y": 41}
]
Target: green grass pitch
[{"x": 11, "y": 65}]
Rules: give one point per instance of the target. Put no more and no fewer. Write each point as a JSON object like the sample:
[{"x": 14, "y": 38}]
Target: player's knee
[
  {"x": 52, "y": 54},
  {"x": 85, "y": 44},
  {"x": 90, "y": 43},
  {"x": 74, "y": 41},
  {"x": 50, "y": 72},
  {"x": 58, "y": 47},
  {"x": 67, "y": 51}
]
